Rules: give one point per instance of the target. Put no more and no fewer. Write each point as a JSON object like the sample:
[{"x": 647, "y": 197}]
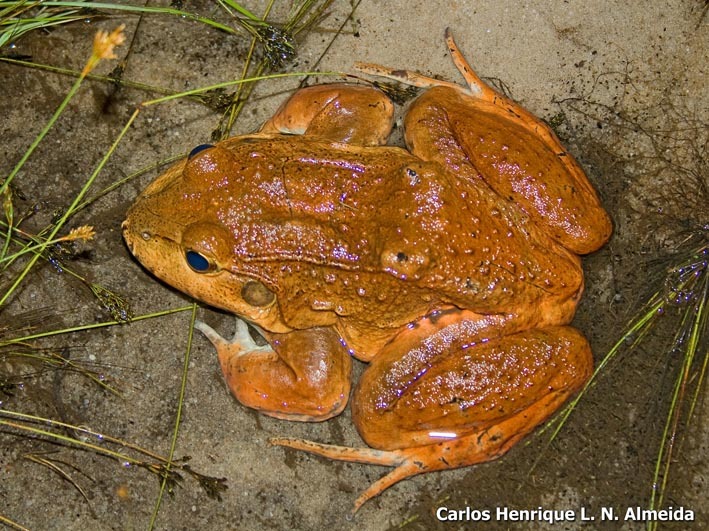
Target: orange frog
[{"x": 451, "y": 267}]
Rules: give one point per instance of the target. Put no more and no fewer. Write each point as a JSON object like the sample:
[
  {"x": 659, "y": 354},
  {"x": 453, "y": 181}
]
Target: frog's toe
[
  {"x": 240, "y": 343},
  {"x": 404, "y": 460},
  {"x": 477, "y": 86},
  {"x": 369, "y": 456},
  {"x": 407, "y": 77}
]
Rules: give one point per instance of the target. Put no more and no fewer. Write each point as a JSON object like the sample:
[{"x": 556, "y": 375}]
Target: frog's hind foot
[
  {"x": 471, "y": 449},
  {"x": 406, "y": 465},
  {"x": 407, "y": 77},
  {"x": 476, "y": 86},
  {"x": 474, "y": 448}
]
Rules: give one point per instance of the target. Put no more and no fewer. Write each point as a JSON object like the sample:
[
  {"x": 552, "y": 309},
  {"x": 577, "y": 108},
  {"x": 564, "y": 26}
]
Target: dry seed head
[
  {"x": 104, "y": 43},
  {"x": 85, "y": 232}
]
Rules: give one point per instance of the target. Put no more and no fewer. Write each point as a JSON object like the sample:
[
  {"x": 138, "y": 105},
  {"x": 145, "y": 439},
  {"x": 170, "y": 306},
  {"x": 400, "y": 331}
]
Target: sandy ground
[{"x": 642, "y": 64}]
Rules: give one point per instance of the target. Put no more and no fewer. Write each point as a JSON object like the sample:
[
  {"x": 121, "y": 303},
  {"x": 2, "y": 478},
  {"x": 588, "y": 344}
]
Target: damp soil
[{"x": 625, "y": 85}]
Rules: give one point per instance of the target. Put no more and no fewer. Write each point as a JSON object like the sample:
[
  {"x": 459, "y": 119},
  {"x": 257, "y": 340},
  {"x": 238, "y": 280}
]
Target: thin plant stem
[
  {"x": 637, "y": 328},
  {"x": 242, "y": 10},
  {"x": 32, "y": 248},
  {"x": 78, "y": 199},
  {"x": 103, "y": 46},
  {"x": 25, "y": 339},
  {"x": 665, "y": 456},
  {"x": 81, "y": 429},
  {"x": 67, "y": 440},
  {"x": 12, "y": 524},
  {"x": 142, "y": 9},
  {"x": 178, "y": 418},
  {"x": 69, "y": 211}
]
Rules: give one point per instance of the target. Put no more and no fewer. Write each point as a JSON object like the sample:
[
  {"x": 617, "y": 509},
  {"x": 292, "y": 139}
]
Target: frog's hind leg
[
  {"x": 478, "y": 447},
  {"x": 488, "y": 137},
  {"x": 451, "y": 394},
  {"x": 476, "y": 86}
]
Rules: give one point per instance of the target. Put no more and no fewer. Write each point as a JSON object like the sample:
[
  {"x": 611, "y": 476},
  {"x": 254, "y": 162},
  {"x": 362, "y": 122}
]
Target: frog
[{"x": 451, "y": 267}]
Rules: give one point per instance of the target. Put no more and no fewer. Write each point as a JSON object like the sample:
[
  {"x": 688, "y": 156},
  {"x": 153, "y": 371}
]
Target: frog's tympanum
[{"x": 451, "y": 267}]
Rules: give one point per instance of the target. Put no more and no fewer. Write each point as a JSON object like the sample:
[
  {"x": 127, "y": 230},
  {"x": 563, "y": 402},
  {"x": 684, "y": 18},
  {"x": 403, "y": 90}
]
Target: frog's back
[{"x": 381, "y": 218}]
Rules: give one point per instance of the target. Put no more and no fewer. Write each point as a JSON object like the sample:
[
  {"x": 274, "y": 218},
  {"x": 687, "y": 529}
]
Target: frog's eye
[
  {"x": 256, "y": 294},
  {"x": 198, "y": 262},
  {"x": 198, "y": 149}
]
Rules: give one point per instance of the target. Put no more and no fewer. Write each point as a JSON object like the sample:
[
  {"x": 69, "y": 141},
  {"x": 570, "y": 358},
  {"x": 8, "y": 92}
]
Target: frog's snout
[
  {"x": 129, "y": 234},
  {"x": 125, "y": 229}
]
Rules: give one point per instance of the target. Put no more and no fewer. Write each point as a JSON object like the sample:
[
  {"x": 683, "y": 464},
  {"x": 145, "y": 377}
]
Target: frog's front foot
[
  {"x": 241, "y": 342},
  {"x": 300, "y": 375}
]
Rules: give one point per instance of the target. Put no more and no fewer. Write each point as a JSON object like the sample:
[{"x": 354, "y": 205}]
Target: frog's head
[
  {"x": 268, "y": 228},
  {"x": 178, "y": 231}
]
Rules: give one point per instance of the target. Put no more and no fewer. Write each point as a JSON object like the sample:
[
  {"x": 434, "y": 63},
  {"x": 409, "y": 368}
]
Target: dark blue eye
[
  {"x": 199, "y": 149},
  {"x": 198, "y": 262}
]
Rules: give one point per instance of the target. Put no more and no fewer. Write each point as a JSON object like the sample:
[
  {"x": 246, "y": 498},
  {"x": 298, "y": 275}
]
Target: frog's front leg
[
  {"x": 300, "y": 375},
  {"x": 453, "y": 392},
  {"x": 338, "y": 112}
]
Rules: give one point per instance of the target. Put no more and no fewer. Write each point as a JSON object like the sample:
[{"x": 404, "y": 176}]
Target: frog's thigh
[
  {"x": 302, "y": 375},
  {"x": 516, "y": 155},
  {"x": 473, "y": 402},
  {"x": 338, "y": 112}
]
